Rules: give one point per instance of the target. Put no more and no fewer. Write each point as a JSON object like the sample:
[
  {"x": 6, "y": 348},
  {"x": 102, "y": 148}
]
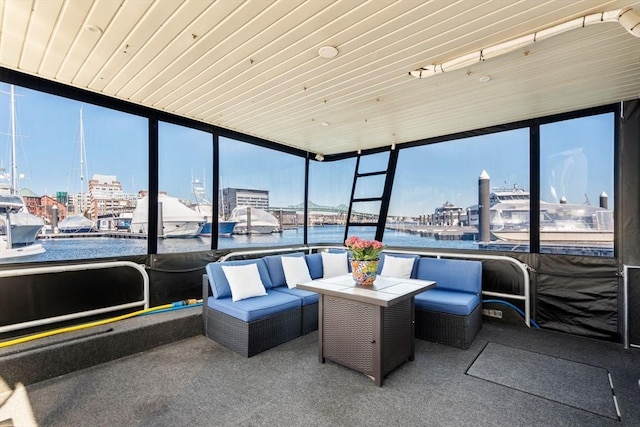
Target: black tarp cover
[{"x": 578, "y": 294}]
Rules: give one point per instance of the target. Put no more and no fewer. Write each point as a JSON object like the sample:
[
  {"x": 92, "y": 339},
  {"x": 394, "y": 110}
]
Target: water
[{"x": 105, "y": 247}]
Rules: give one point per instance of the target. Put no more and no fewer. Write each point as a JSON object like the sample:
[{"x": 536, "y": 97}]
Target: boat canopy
[{"x": 172, "y": 210}]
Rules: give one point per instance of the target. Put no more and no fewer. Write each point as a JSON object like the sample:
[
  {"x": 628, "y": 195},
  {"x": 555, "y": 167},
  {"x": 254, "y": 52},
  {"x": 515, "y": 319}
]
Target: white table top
[{"x": 385, "y": 291}]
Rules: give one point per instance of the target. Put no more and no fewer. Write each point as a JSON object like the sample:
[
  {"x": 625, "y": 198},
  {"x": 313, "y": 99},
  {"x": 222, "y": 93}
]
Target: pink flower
[{"x": 364, "y": 250}]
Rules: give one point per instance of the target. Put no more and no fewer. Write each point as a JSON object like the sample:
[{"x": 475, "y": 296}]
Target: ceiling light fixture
[
  {"x": 630, "y": 21},
  {"x": 319, "y": 157},
  {"x": 484, "y": 79},
  {"x": 628, "y": 18},
  {"x": 328, "y": 52},
  {"x": 325, "y": 124}
]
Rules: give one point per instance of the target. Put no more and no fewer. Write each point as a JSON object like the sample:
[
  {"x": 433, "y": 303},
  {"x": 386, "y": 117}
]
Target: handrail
[
  {"x": 521, "y": 266},
  {"x": 76, "y": 267}
]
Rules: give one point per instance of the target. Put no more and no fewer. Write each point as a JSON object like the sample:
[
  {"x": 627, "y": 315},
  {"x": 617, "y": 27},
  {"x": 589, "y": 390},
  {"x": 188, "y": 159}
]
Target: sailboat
[
  {"x": 204, "y": 206},
  {"x": 18, "y": 228},
  {"x": 79, "y": 223}
]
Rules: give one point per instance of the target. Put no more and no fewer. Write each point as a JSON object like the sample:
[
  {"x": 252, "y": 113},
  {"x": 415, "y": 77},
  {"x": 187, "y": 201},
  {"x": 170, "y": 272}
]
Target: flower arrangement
[{"x": 364, "y": 250}]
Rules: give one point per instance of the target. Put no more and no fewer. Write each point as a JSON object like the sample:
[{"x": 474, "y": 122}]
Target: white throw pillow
[
  {"x": 397, "y": 267},
  {"x": 244, "y": 281},
  {"x": 334, "y": 264},
  {"x": 296, "y": 270}
]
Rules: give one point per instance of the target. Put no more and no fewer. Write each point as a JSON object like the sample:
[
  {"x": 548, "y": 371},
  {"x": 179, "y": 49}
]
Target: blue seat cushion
[
  {"x": 218, "y": 281},
  {"x": 256, "y": 308},
  {"x": 307, "y": 297},
  {"x": 453, "y": 274},
  {"x": 446, "y": 301},
  {"x": 276, "y": 272}
]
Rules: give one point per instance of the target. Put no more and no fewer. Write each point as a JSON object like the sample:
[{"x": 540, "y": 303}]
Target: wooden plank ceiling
[{"x": 253, "y": 66}]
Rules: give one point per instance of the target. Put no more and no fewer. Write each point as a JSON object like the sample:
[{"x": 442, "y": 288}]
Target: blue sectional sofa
[
  {"x": 450, "y": 314},
  {"x": 250, "y": 326}
]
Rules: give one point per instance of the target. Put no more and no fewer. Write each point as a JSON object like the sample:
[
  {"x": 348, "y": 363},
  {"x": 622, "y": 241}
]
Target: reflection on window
[
  {"x": 365, "y": 212},
  {"x": 367, "y": 233},
  {"x": 435, "y": 197},
  {"x": 576, "y": 186},
  {"x": 263, "y": 193},
  {"x": 77, "y": 172},
  {"x": 329, "y": 193},
  {"x": 370, "y": 186},
  {"x": 185, "y": 182},
  {"x": 374, "y": 162}
]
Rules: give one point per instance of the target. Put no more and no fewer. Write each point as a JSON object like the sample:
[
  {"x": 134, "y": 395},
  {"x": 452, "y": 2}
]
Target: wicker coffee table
[{"x": 369, "y": 329}]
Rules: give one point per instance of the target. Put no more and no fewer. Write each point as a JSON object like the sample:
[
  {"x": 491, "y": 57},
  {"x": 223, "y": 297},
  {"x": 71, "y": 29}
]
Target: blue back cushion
[
  {"x": 454, "y": 274},
  {"x": 314, "y": 262},
  {"x": 276, "y": 272},
  {"x": 218, "y": 281},
  {"x": 414, "y": 271}
]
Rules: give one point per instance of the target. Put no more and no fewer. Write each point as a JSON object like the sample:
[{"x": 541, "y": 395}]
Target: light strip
[{"x": 628, "y": 18}]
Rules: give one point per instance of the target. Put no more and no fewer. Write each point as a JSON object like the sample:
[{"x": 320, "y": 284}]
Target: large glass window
[
  {"x": 185, "y": 182},
  {"x": 329, "y": 192},
  {"x": 437, "y": 190},
  {"x": 77, "y": 169},
  {"x": 262, "y": 193},
  {"x": 576, "y": 186}
]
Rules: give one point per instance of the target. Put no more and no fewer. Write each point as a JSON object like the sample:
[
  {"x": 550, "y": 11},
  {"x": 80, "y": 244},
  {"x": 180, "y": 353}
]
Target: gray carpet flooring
[
  {"x": 575, "y": 384},
  {"x": 197, "y": 382}
]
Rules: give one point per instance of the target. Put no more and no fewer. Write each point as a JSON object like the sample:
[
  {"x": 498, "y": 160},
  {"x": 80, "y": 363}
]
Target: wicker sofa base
[
  {"x": 309, "y": 318},
  {"x": 251, "y": 338},
  {"x": 449, "y": 329}
]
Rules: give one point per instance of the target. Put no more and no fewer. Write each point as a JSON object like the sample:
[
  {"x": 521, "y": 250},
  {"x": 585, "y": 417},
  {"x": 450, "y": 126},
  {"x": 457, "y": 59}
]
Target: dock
[
  {"x": 437, "y": 232},
  {"x": 95, "y": 234}
]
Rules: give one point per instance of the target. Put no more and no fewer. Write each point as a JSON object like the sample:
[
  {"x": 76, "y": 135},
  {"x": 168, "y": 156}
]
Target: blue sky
[{"x": 576, "y": 159}]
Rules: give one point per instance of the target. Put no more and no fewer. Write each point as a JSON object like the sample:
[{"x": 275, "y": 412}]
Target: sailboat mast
[
  {"x": 82, "y": 156},
  {"x": 14, "y": 165}
]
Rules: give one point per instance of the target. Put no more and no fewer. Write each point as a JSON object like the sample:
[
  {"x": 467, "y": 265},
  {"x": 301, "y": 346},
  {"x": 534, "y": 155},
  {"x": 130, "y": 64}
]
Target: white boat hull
[
  {"x": 178, "y": 221},
  {"x": 24, "y": 228},
  {"x": 253, "y": 221},
  {"x": 33, "y": 249},
  {"x": 241, "y": 228},
  {"x": 564, "y": 236}
]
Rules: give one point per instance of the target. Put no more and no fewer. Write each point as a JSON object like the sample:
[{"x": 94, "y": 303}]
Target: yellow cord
[{"x": 80, "y": 327}]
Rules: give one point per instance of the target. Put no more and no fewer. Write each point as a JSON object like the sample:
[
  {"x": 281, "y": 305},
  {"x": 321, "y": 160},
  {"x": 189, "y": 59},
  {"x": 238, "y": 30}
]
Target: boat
[
  {"x": 559, "y": 222},
  {"x": 77, "y": 224},
  {"x": 177, "y": 220},
  {"x": 253, "y": 221},
  {"x": 10, "y": 205},
  {"x": 24, "y": 227},
  {"x": 204, "y": 206},
  {"x": 81, "y": 222}
]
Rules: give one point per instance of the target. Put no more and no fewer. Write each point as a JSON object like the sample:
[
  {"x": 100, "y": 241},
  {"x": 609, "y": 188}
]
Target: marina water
[{"x": 105, "y": 247}]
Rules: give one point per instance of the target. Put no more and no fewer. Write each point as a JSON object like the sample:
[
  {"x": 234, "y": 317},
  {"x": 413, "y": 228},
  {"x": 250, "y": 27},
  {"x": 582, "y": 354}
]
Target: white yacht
[
  {"x": 177, "y": 220},
  {"x": 253, "y": 221}
]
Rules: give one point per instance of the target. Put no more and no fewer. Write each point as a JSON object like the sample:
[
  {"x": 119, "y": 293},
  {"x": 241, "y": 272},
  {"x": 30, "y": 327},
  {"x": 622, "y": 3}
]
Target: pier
[
  {"x": 437, "y": 232},
  {"x": 110, "y": 234}
]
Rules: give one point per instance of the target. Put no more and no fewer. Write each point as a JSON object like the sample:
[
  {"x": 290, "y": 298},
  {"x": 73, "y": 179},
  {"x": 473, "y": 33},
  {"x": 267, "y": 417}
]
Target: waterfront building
[
  {"x": 107, "y": 197},
  {"x": 448, "y": 214},
  {"x": 234, "y": 197},
  {"x": 46, "y": 210}
]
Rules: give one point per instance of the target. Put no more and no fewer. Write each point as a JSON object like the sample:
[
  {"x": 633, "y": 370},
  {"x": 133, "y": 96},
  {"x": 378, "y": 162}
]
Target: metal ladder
[{"x": 357, "y": 218}]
